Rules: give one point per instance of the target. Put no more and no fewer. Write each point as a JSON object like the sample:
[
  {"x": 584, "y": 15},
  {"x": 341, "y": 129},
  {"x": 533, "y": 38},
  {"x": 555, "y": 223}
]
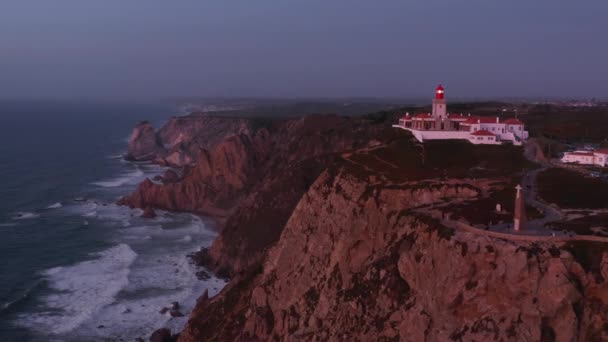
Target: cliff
[
  {"x": 144, "y": 144},
  {"x": 181, "y": 140},
  {"x": 357, "y": 262},
  {"x": 326, "y": 236},
  {"x": 250, "y": 179}
]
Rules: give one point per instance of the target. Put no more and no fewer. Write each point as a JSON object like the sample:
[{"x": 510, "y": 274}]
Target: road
[{"x": 529, "y": 184}]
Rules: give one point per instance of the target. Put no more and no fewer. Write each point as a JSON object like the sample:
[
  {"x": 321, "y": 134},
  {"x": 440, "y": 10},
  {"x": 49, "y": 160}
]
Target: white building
[
  {"x": 440, "y": 125},
  {"x": 597, "y": 157}
]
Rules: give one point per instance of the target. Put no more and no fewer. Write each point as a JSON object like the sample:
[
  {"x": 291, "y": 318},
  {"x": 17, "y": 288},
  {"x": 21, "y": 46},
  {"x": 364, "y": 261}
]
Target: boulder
[
  {"x": 203, "y": 275},
  {"x": 176, "y": 313},
  {"x": 175, "y": 306},
  {"x": 149, "y": 213},
  {"x": 162, "y": 335}
]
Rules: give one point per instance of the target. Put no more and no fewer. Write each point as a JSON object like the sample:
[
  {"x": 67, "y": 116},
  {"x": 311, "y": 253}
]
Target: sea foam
[
  {"x": 25, "y": 215},
  {"x": 127, "y": 178},
  {"x": 55, "y": 206},
  {"x": 81, "y": 290}
]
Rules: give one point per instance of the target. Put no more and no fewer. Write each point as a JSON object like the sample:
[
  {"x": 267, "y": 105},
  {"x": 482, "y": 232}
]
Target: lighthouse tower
[{"x": 439, "y": 107}]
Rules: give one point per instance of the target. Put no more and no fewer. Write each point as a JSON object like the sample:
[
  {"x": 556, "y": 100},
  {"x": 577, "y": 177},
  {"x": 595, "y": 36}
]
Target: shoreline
[{"x": 140, "y": 253}]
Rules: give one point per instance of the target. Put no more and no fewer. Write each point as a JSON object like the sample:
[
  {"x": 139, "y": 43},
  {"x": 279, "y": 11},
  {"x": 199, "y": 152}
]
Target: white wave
[
  {"x": 155, "y": 281},
  {"x": 125, "y": 287},
  {"x": 25, "y": 215},
  {"x": 127, "y": 178},
  {"x": 8, "y": 224},
  {"x": 82, "y": 290},
  {"x": 115, "y": 156},
  {"x": 90, "y": 214},
  {"x": 55, "y": 206}
]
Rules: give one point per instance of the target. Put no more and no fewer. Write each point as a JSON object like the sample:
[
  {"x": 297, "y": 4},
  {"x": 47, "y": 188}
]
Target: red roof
[
  {"x": 482, "y": 132},
  {"x": 439, "y": 87},
  {"x": 602, "y": 151},
  {"x": 406, "y": 117},
  {"x": 424, "y": 116},
  {"x": 513, "y": 122},
  {"x": 458, "y": 117},
  {"x": 481, "y": 119},
  {"x": 586, "y": 154}
]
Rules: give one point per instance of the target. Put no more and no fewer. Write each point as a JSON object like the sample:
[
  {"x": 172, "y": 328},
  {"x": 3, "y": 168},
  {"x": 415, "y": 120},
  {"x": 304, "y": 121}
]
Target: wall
[
  {"x": 436, "y": 135},
  {"x": 586, "y": 160}
]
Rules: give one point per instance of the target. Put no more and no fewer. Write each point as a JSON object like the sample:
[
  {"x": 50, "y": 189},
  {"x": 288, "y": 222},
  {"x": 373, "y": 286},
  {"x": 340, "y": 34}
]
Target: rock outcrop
[
  {"x": 144, "y": 144},
  {"x": 181, "y": 140}
]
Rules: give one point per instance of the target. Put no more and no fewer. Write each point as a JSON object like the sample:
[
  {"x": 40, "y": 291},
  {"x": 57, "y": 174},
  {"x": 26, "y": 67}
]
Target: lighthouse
[{"x": 439, "y": 105}]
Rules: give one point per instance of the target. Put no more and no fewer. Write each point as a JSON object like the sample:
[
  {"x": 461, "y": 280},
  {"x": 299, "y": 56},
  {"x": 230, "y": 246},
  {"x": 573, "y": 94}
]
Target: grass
[
  {"x": 570, "y": 189},
  {"x": 483, "y": 210},
  {"x": 404, "y": 160},
  {"x": 568, "y": 123},
  {"x": 583, "y": 225}
]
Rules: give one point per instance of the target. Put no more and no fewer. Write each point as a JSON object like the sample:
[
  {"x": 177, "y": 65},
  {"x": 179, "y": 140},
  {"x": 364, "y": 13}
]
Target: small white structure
[
  {"x": 440, "y": 125},
  {"x": 597, "y": 157},
  {"x": 483, "y": 137}
]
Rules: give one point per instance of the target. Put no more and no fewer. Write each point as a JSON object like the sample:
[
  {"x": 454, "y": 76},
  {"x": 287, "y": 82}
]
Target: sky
[{"x": 303, "y": 48}]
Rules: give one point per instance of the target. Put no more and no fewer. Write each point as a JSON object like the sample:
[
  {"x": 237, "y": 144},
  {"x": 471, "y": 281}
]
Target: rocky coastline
[{"x": 321, "y": 238}]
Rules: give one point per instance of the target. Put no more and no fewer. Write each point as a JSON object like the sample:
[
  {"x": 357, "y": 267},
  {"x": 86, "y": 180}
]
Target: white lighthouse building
[{"x": 441, "y": 125}]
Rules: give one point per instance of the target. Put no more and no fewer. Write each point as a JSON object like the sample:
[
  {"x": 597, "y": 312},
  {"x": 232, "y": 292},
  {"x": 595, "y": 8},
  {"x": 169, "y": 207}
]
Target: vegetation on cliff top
[
  {"x": 570, "y": 189},
  {"x": 404, "y": 160}
]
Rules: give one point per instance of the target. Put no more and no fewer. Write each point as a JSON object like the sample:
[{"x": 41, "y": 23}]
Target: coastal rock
[
  {"x": 149, "y": 213},
  {"x": 201, "y": 257},
  {"x": 211, "y": 187},
  {"x": 176, "y": 313},
  {"x": 202, "y": 275},
  {"x": 162, "y": 335},
  {"x": 203, "y": 299},
  {"x": 144, "y": 144},
  {"x": 170, "y": 176}
]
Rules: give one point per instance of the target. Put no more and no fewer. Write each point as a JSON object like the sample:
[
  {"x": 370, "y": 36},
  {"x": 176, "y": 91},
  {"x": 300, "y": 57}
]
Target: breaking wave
[
  {"x": 127, "y": 178},
  {"x": 55, "y": 206},
  {"x": 79, "y": 291},
  {"x": 25, "y": 215}
]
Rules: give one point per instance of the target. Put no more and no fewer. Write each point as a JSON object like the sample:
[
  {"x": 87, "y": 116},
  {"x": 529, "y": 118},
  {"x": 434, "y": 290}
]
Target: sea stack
[{"x": 519, "y": 218}]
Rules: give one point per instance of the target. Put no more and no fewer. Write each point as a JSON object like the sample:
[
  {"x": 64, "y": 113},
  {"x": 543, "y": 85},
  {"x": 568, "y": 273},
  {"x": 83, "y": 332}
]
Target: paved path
[
  {"x": 534, "y": 230},
  {"x": 549, "y": 212}
]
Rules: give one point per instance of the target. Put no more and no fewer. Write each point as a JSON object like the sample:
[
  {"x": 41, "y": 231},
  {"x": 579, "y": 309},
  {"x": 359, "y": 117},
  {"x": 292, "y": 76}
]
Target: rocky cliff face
[
  {"x": 356, "y": 262},
  {"x": 180, "y": 141},
  {"x": 211, "y": 186},
  {"x": 325, "y": 238},
  {"x": 144, "y": 143},
  {"x": 249, "y": 175}
]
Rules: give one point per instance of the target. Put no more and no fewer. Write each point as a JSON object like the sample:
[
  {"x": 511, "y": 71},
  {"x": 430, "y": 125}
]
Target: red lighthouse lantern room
[{"x": 439, "y": 92}]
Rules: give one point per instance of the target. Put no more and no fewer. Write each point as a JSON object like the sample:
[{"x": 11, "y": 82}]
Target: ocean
[{"x": 73, "y": 265}]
